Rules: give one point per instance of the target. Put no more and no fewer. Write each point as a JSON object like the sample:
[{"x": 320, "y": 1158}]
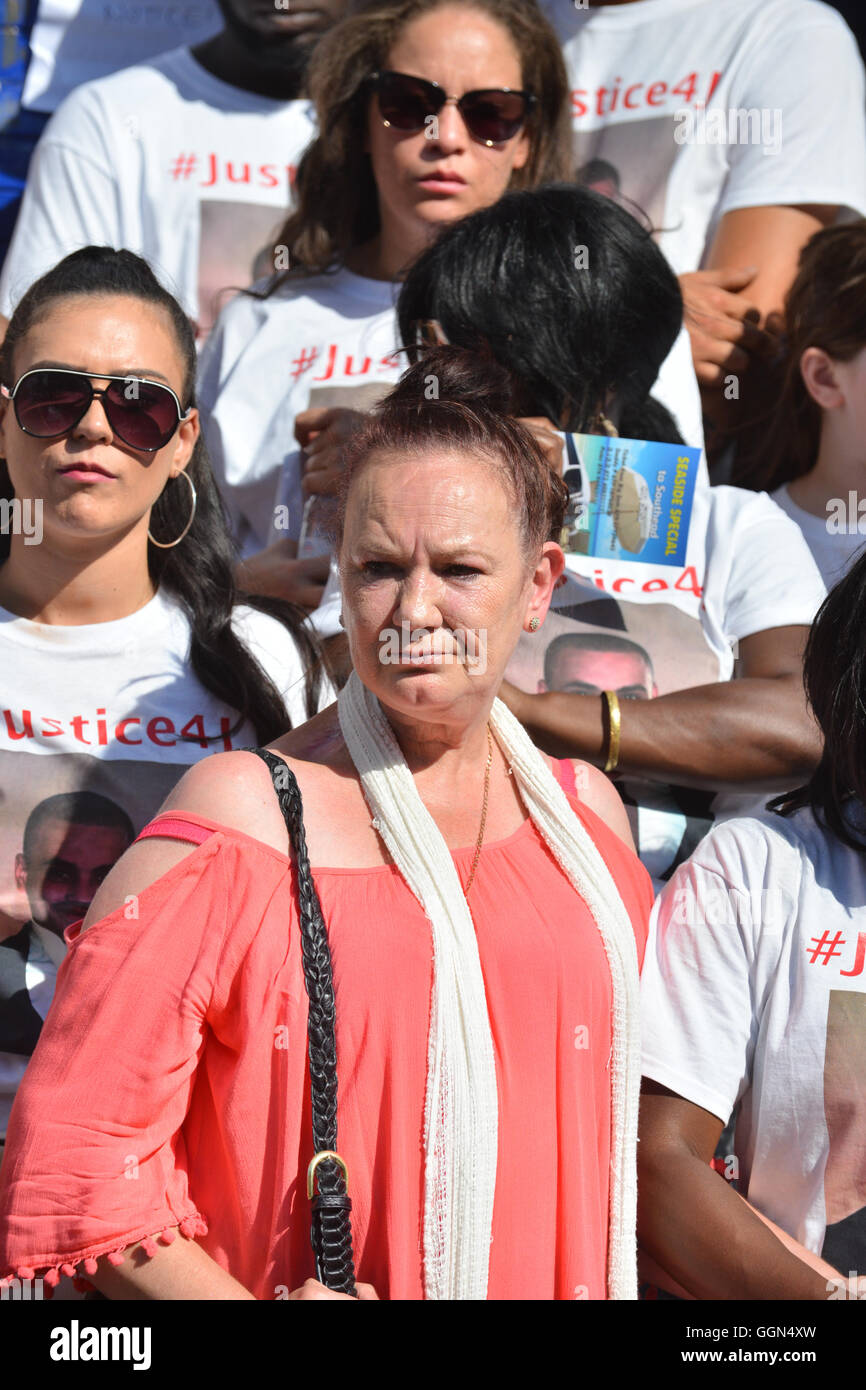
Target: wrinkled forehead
[{"x": 438, "y": 495}]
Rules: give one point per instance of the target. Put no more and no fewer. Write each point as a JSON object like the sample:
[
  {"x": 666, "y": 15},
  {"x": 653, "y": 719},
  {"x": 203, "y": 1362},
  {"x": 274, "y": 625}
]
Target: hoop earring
[{"x": 169, "y": 545}]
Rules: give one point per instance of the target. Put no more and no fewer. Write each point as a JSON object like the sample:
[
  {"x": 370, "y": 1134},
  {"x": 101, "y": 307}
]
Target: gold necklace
[{"x": 483, "y": 814}]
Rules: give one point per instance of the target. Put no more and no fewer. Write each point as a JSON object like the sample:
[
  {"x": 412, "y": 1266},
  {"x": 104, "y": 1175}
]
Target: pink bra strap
[
  {"x": 567, "y": 778},
  {"x": 176, "y": 828}
]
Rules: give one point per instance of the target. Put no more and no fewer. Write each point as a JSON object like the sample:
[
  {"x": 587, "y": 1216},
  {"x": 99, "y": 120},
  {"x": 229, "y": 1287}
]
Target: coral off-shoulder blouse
[{"x": 169, "y": 1088}]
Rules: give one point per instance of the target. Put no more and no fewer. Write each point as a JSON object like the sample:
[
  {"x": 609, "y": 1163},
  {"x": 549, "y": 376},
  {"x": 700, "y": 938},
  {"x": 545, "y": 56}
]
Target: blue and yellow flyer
[{"x": 629, "y": 499}]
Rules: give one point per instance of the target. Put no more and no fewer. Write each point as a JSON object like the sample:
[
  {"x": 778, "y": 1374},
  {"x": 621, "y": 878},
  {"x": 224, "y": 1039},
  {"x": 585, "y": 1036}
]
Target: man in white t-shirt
[
  {"x": 187, "y": 159},
  {"x": 738, "y": 127}
]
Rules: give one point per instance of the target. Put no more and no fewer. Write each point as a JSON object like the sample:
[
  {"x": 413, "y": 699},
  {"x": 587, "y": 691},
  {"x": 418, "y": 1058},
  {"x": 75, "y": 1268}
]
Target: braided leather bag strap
[{"x": 331, "y": 1231}]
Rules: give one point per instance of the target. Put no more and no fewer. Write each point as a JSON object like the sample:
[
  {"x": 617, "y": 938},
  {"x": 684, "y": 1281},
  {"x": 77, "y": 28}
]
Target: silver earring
[
  {"x": 169, "y": 545},
  {"x": 534, "y": 624}
]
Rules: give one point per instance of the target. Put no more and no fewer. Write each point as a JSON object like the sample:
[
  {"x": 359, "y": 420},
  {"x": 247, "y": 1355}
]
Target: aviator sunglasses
[
  {"x": 50, "y": 401},
  {"x": 492, "y": 114}
]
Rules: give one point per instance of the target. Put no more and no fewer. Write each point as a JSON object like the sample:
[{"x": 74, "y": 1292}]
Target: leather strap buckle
[{"x": 320, "y": 1158}]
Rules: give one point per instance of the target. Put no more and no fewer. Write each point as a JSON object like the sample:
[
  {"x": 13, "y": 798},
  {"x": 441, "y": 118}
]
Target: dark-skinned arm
[
  {"x": 733, "y": 311},
  {"x": 753, "y": 731},
  {"x": 697, "y": 1228},
  {"x": 770, "y": 239}
]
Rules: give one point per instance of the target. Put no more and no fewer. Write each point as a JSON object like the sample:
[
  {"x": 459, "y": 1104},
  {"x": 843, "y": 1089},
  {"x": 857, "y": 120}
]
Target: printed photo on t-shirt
[
  {"x": 236, "y": 248},
  {"x": 639, "y": 651},
  {"x": 845, "y": 1114},
  {"x": 314, "y": 516},
  {"x": 630, "y": 162},
  {"x": 65, "y": 820},
  {"x": 602, "y": 643}
]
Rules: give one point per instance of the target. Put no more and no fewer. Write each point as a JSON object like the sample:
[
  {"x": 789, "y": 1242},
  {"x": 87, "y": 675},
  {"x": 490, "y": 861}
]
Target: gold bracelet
[{"x": 614, "y": 724}]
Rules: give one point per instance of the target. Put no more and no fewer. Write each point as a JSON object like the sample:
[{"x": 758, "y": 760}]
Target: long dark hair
[
  {"x": 337, "y": 204},
  {"x": 824, "y": 308},
  {"x": 199, "y": 572},
  {"x": 568, "y": 291},
  {"x": 834, "y": 672}
]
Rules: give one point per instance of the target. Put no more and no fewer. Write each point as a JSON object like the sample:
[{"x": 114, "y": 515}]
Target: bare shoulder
[
  {"x": 234, "y": 790},
  {"x": 231, "y": 789},
  {"x": 600, "y": 795}
]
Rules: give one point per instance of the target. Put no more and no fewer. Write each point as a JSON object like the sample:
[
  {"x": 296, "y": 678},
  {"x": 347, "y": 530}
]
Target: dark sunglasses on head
[
  {"x": 50, "y": 401},
  {"x": 492, "y": 115}
]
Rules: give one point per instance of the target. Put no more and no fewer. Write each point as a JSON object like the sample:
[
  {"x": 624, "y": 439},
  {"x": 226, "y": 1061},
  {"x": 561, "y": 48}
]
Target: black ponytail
[{"x": 199, "y": 572}]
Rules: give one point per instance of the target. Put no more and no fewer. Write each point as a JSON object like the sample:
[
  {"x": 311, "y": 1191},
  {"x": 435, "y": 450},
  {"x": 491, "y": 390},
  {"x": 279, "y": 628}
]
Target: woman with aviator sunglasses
[
  {"x": 427, "y": 110},
  {"x": 51, "y": 401},
  {"x": 125, "y": 650}
]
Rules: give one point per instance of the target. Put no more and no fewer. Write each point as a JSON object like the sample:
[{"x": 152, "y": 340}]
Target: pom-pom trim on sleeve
[{"x": 190, "y": 1226}]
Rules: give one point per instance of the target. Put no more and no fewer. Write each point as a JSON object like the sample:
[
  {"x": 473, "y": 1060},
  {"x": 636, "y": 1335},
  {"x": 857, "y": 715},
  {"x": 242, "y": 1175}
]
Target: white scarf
[{"x": 461, "y": 1104}]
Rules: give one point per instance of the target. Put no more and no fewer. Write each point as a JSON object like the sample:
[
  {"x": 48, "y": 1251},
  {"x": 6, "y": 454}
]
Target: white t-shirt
[
  {"x": 79, "y": 704},
  {"x": 754, "y": 992},
  {"x": 323, "y": 340},
  {"x": 834, "y": 550},
  {"x": 327, "y": 340},
  {"x": 747, "y": 569},
  {"x": 651, "y": 74},
  {"x": 97, "y": 709},
  {"x": 77, "y": 41},
  {"x": 170, "y": 162}
]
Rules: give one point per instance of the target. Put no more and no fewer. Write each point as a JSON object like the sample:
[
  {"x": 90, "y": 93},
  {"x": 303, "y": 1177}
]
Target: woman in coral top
[{"x": 486, "y": 920}]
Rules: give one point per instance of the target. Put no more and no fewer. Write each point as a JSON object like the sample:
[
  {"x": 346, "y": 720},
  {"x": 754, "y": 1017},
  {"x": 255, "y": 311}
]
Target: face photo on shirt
[
  {"x": 529, "y": 668},
  {"x": 236, "y": 248},
  {"x": 70, "y": 843},
  {"x": 588, "y": 663},
  {"x": 640, "y": 651},
  {"x": 644, "y": 649},
  {"x": 647, "y": 149},
  {"x": 65, "y": 819},
  {"x": 845, "y": 1115}
]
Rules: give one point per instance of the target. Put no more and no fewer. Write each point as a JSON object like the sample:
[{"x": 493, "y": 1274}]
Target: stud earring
[{"x": 534, "y": 624}]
